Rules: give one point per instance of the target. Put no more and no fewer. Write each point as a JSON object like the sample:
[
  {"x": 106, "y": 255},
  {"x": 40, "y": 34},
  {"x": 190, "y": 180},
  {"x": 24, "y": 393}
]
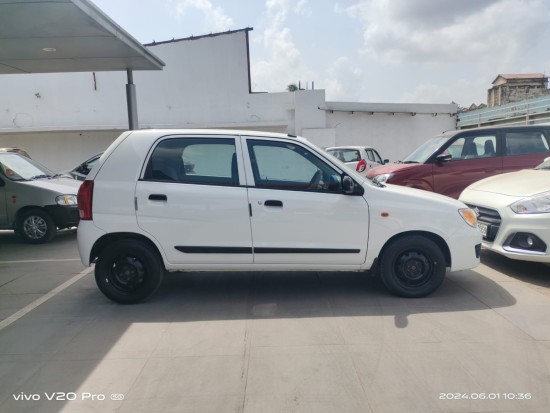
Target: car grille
[{"x": 489, "y": 217}]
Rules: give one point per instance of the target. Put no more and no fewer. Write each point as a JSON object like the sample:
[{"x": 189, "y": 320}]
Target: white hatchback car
[
  {"x": 239, "y": 200},
  {"x": 514, "y": 212},
  {"x": 358, "y": 158}
]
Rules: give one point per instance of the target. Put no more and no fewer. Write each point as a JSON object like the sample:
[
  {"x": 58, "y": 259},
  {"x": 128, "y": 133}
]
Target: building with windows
[{"x": 510, "y": 88}]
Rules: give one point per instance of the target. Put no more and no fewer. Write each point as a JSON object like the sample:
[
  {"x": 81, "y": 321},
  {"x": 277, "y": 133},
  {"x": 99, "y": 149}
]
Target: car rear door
[
  {"x": 525, "y": 148},
  {"x": 193, "y": 200},
  {"x": 299, "y": 214}
]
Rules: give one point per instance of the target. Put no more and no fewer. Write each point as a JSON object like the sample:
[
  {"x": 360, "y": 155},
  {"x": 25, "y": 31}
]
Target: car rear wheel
[
  {"x": 35, "y": 226},
  {"x": 128, "y": 271},
  {"x": 412, "y": 266}
]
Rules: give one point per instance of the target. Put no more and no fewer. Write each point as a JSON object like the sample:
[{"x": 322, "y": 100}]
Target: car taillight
[
  {"x": 85, "y": 196},
  {"x": 361, "y": 166}
]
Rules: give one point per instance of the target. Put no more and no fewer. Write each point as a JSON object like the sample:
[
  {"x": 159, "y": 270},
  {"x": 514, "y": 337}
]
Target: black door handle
[
  {"x": 273, "y": 203},
  {"x": 158, "y": 197}
]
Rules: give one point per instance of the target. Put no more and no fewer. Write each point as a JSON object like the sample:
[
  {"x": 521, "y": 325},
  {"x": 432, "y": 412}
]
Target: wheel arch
[
  {"x": 24, "y": 209},
  {"x": 439, "y": 241},
  {"x": 108, "y": 239}
]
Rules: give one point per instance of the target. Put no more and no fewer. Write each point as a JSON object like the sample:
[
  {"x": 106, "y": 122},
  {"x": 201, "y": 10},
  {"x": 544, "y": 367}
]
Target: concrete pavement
[{"x": 270, "y": 342}]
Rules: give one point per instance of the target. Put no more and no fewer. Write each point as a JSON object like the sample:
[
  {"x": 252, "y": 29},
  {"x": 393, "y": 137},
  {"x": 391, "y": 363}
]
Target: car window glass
[
  {"x": 471, "y": 147},
  {"x": 281, "y": 165},
  {"x": 201, "y": 161},
  {"x": 19, "y": 168},
  {"x": 377, "y": 157},
  {"x": 525, "y": 142},
  {"x": 370, "y": 155}
]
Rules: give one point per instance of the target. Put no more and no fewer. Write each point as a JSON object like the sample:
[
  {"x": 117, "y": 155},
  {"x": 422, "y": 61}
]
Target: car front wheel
[
  {"x": 35, "y": 227},
  {"x": 412, "y": 266},
  {"x": 128, "y": 271}
]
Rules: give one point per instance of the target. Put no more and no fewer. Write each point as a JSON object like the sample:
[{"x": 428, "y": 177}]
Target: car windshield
[
  {"x": 424, "y": 151},
  {"x": 544, "y": 165},
  {"x": 19, "y": 168}
]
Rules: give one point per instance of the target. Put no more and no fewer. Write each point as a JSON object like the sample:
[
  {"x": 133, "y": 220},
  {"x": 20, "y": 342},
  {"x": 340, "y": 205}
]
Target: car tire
[
  {"x": 412, "y": 266},
  {"x": 128, "y": 271},
  {"x": 35, "y": 226}
]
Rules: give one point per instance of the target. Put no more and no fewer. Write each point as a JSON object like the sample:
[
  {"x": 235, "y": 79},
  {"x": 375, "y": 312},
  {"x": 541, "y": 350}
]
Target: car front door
[
  {"x": 191, "y": 200},
  {"x": 473, "y": 157},
  {"x": 299, "y": 213},
  {"x": 374, "y": 159}
]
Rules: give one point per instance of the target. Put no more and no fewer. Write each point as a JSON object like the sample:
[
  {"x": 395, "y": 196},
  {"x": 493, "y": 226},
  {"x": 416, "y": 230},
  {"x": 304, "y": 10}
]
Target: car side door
[
  {"x": 525, "y": 148},
  {"x": 299, "y": 212},
  {"x": 192, "y": 199},
  {"x": 473, "y": 157},
  {"x": 373, "y": 158}
]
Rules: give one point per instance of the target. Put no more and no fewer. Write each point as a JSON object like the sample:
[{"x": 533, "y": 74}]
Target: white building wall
[
  {"x": 394, "y": 136},
  {"x": 62, "y": 119}
]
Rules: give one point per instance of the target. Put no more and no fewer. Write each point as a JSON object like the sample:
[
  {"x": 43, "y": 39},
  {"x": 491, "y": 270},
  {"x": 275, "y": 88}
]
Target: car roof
[
  {"x": 350, "y": 147},
  {"x": 233, "y": 132},
  {"x": 494, "y": 127}
]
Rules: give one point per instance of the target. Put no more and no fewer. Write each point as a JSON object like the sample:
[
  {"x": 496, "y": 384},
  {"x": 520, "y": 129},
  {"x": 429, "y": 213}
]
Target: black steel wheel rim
[
  {"x": 414, "y": 269},
  {"x": 127, "y": 273}
]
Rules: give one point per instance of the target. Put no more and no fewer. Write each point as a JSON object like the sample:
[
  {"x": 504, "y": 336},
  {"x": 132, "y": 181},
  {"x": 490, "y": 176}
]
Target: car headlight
[
  {"x": 66, "y": 200},
  {"x": 380, "y": 179},
  {"x": 468, "y": 215},
  {"x": 539, "y": 204}
]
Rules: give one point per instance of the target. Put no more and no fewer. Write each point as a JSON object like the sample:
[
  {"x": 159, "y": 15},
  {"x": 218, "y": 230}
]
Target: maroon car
[{"x": 448, "y": 163}]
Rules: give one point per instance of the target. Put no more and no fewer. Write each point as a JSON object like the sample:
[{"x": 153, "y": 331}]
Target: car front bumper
[
  {"x": 64, "y": 216},
  {"x": 522, "y": 237}
]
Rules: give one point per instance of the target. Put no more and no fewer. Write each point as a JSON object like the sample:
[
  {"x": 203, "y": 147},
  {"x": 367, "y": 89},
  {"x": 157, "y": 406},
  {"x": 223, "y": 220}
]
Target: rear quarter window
[
  {"x": 525, "y": 142},
  {"x": 199, "y": 161}
]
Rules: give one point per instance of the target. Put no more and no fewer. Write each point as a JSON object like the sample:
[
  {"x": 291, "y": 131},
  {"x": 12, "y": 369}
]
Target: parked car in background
[
  {"x": 258, "y": 201},
  {"x": 358, "y": 158},
  {"x": 448, "y": 163},
  {"x": 33, "y": 200},
  {"x": 514, "y": 212},
  {"x": 20, "y": 151},
  {"x": 81, "y": 171}
]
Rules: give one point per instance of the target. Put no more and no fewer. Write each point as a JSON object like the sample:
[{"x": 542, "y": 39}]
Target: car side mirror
[
  {"x": 443, "y": 158},
  {"x": 385, "y": 161},
  {"x": 349, "y": 187}
]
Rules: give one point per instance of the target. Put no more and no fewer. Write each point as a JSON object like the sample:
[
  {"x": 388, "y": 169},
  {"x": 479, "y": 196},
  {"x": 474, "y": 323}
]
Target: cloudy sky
[{"x": 425, "y": 51}]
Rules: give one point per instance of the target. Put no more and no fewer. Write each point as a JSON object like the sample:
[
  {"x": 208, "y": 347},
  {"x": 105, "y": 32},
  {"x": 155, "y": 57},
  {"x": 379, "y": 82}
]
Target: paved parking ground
[{"x": 270, "y": 342}]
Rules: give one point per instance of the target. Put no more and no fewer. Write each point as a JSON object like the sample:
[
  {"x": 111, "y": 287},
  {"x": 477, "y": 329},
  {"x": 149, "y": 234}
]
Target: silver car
[
  {"x": 33, "y": 200},
  {"x": 358, "y": 158}
]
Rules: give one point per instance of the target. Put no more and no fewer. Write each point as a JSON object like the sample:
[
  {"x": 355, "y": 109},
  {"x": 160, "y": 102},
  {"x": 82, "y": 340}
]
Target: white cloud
[
  {"x": 215, "y": 18},
  {"x": 284, "y": 64},
  {"x": 343, "y": 81},
  {"x": 443, "y": 31}
]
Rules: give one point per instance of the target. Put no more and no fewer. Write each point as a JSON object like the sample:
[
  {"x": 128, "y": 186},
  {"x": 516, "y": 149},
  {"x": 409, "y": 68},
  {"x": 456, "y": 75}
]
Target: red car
[{"x": 448, "y": 163}]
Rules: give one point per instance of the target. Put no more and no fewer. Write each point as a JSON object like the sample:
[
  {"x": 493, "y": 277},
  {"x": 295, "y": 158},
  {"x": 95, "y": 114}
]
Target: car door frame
[
  {"x": 228, "y": 241},
  {"x": 271, "y": 226},
  {"x": 455, "y": 170}
]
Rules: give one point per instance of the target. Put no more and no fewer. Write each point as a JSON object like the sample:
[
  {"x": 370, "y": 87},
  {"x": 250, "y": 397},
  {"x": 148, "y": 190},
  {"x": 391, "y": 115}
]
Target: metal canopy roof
[{"x": 46, "y": 36}]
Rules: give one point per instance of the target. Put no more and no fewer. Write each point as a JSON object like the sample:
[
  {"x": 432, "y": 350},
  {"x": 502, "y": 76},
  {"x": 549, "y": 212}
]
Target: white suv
[{"x": 214, "y": 200}]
